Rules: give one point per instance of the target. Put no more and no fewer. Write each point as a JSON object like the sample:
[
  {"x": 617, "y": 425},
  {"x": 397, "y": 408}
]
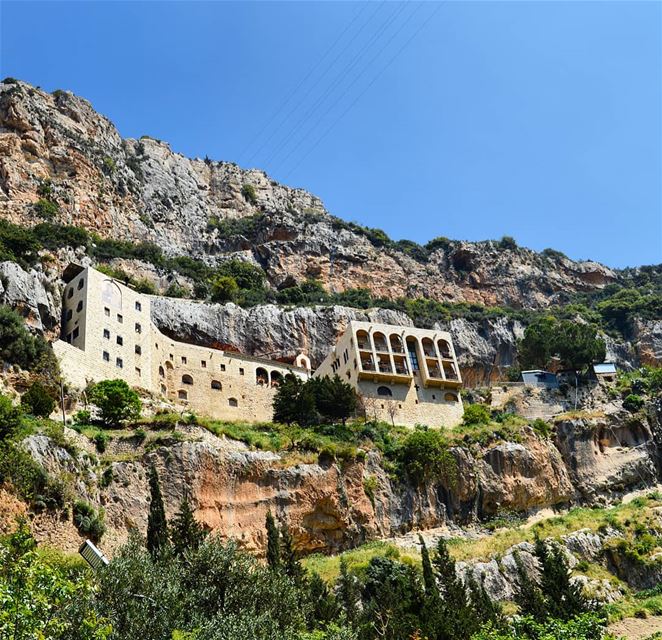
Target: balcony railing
[
  {"x": 367, "y": 365},
  {"x": 381, "y": 346}
]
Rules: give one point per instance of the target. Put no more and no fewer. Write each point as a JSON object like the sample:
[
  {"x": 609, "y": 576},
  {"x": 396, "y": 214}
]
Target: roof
[
  {"x": 604, "y": 367},
  {"x": 71, "y": 271}
]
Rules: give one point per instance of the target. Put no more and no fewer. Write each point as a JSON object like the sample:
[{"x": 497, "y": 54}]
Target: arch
[
  {"x": 384, "y": 391},
  {"x": 444, "y": 349},
  {"x": 168, "y": 365},
  {"x": 216, "y": 385},
  {"x": 276, "y": 378},
  {"x": 111, "y": 294},
  {"x": 413, "y": 350},
  {"x": 450, "y": 397},
  {"x": 303, "y": 361},
  {"x": 182, "y": 395},
  {"x": 161, "y": 371},
  {"x": 233, "y": 402},
  {"x": 261, "y": 376},
  {"x": 449, "y": 371},
  {"x": 428, "y": 347},
  {"x": 396, "y": 343},
  {"x": 380, "y": 341},
  {"x": 363, "y": 340},
  {"x": 187, "y": 379}
]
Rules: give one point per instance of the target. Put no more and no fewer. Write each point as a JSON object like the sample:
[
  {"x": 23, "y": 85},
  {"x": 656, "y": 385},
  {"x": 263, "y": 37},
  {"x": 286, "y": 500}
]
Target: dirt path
[{"x": 636, "y": 628}]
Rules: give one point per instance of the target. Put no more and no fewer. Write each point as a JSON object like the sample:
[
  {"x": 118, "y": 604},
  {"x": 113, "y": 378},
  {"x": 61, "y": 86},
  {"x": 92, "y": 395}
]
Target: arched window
[
  {"x": 182, "y": 395},
  {"x": 428, "y": 347},
  {"x": 380, "y": 341},
  {"x": 444, "y": 349},
  {"x": 450, "y": 397},
  {"x": 216, "y": 385},
  {"x": 79, "y": 306},
  {"x": 261, "y": 377},
  {"x": 81, "y": 283},
  {"x": 396, "y": 343},
  {"x": 363, "y": 340},
  {"x": 111, "y": 294},
  {"x": 276, "y": 378},
  {"x": 384, "y": 391},
  {"x": 186, "y": 379},
  {"x": 233, "y": 402}
]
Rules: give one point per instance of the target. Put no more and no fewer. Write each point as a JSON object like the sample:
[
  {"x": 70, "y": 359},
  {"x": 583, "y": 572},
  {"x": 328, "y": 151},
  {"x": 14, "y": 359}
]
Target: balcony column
[
  {"x": 390, "y": 353},
  {"x": 375, "y": 362}
]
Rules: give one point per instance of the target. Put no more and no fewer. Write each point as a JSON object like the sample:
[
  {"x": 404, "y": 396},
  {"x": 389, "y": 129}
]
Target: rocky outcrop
[{"x": 142, "y": 190}]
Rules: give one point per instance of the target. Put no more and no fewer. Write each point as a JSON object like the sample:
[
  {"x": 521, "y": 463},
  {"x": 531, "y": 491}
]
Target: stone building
[
  {"x": 404, "y": 375},
  {"x": 107, "y": 333}
]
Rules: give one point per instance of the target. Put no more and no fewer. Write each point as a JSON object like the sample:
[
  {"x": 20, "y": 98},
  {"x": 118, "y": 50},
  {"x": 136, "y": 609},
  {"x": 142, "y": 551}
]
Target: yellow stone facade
[
  {"x": 107, "y": 333},
  {"x": 403, "y": 375}
]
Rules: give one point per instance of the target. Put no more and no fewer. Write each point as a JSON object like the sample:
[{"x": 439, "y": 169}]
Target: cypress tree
[
  {"x": 291, "y": 566},
  {"x": 428, "y": 573},
  {"x": 348, "y": 593},
  {"x": 157, "y": 527},
  {"x": 528, "y": 596},
  {"x": 185, "y": 531},
  {"x": 273, "y": 542},
  {"x": 323, "y": 606},
  {"x": 486, "y": 609}
]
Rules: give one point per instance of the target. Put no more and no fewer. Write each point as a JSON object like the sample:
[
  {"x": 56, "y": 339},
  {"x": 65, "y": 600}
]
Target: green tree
[
  {"x": 334, "y": 399},
  {"x": 429, "y": 581},
  {"x": 273, "y": 542},
  {"x": 324, "y": 606},
  {"x": 224, "y": 289},
  {"x": 17, "y": 345},
  {"x": 157, "y": 527},
  {"x": 11, "y": 418},
  {"x": 38, "y": 401},
  {"x": 294, "y": 401},
  {"x": 528, "y": 596},
  {"x": 291, "y": 565},
  {"x": 116, "y": 401},
  {"x": 424, "y": 455},
  {"x": 536, "y": 349},
  {"x": 347, "y": 588},
  {"x": 185, "y": 531},
  {"x": 476, "y": 414}
]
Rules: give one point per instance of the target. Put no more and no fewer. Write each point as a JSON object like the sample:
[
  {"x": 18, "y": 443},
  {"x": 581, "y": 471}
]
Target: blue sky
[{"x": 471, "y": 120}]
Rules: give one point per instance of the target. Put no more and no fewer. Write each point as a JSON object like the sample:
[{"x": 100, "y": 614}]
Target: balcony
[{"x": 380, "y": 345}]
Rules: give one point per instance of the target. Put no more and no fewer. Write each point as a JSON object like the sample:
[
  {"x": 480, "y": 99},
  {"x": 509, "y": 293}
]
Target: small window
[
  {"x": 171, "y": 357},
  {"x": 120, "y": 319},
  {"x": 186, "y": 379},
  {"x": 69, "y": 314},
  {"x": 203, "y": 364},
  {"x": 434, "y": 397},
  {"x": 81, "y": 283},
  {"x": 79, "y": 306},
  {"x": 74, "y": 335},
  {"x": 106, "y": 356},
  {"x": 233, "y": 402},
  {"x": 216, "y": 385},
  {"x": 450, "y": 397},
  {"x": 68, "y": 338},
  {"x": 161, "y": 372},
  {"x": 222, "y": 367},
  {"x": 384, "y": 391},
  {"x": 120, "y": 340},
  {"x": 139, "y": 329},
  {"x": 156, "y": 345},
  {"x": 106, "y": 334},
  {"x": 70, "y": 294},
  {"x": 163, "y": 389},
  {"x": 138, "y": 306},
  {"x": 138, "y": 350},
  {"x": 241, "y": 371},
  {"x": 182, "y": 395},
  {"x": 106, "y": 312},
  {"x": 183, "y": 359},
  {"x": 118, "y": 363},
  {"x": 138, "y": 372}
]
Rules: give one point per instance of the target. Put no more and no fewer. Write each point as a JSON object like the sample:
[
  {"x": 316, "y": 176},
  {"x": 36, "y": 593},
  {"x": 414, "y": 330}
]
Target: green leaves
[{"x": 116, "y": 401}]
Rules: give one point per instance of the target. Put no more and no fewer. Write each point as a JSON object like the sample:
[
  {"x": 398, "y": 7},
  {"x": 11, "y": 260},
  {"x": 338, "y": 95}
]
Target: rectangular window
[
  {"x": 183, "y": 359},
  {"x": 222, "y": 367},
  {"x": 203, "y": 364},
  {"x": 138, "y": 372},
  {"x": 138, "y": 349},
  {"x": 139, "y": 329},
  {"x": 241, "y": 371},
  {"x": 68, "y": 338},
  {"x": 106, "y": 334},
  {"x": 138, "y": 306},
  {"x": 118, "y": 363},
  {"x": 120, "y": 319},
  {"x": 106, "y": 356},
  {"x": 120, "y": 340},
  {"x": 74, "y": 335},
  {"x": 106, "y": 312}
]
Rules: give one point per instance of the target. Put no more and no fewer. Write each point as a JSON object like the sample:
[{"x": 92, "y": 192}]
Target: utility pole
[{"x": 64, "y": 415}]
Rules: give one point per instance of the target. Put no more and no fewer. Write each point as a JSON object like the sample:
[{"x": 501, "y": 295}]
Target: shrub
[
  {"x": 508, "y": 243},
  {"x": 89, "y": 521},
  {"x": 38, "y": 401},
  {"x": 46, "y": 209},
  {"x": 248, "y": 191},
  {"x": 440, "y": 242},
  {"x": 541, "y": 427},
  {"x": 17, "y": 244},
  {"x": 224, "y": 289},
  {"x": 109, "y": 166},
  {"x": 176, "y": 290},
  {"x": 55, "y": 236},
  {"x": 17, "y": 345},
  {"x": 633, "y": 402},
  {"x": 101, "y": 441},
  {"x": 424, "y": 455},
  {"x": 144, "y": 285},
  {"x": 82, "y": 417},
  {"x": 10, "y": 418},
  {"x": 476, "y": 414},
  {"x": 116, "y": 401}
]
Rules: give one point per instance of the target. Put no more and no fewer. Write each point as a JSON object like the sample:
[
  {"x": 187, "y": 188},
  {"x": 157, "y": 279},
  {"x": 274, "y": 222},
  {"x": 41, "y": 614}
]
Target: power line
[
  {"x": 312, "y": 87},
  {"x": 344, "y": 73},
  {"x": 342, "y": 96},
  {"x": 344, "y": 113},
  {"x": 303, "y": 80}
]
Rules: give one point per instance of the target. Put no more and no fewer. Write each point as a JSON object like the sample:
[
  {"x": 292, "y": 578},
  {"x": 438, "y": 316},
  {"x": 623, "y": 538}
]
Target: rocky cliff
[{"x": 142, "y": 189}]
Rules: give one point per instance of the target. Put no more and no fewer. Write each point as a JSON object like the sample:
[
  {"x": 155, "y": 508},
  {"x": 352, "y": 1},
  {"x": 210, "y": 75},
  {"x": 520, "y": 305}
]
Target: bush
[
  {"x": 55, "y": 236},
  {"x": 224, "y": 289},
  {"x": 17, "y": 345},
  {"x": 476, "y": 414},
  {"x": 11, "y": 418},
  {"x": 38, "y": 401},
  {"x": 424, "y": 455},
  {"x": 46, "y": 209},
  {"x": 508, "y": 243},
  {"x": 176, "y": 291},
  {"x": 88, "y": 521},
  {"x": 101, "y": 441},
  {"x": 248, "y": 191},
  {"x": 116, "y": 402},
  {"x": 17, "y": 244},
  {"x": 82, "y": 417},
  {"x": 633, "y": 402},
  {"x": 541, "y": 427}
]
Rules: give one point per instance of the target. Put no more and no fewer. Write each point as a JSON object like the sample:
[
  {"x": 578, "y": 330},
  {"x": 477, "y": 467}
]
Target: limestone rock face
[{"x": 141, "y": 189}]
